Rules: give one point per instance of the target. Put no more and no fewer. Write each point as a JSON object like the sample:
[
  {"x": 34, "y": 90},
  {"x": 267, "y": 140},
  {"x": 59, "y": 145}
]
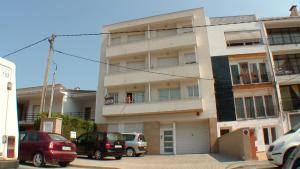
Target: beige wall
[{"x": 236, "y": 144}]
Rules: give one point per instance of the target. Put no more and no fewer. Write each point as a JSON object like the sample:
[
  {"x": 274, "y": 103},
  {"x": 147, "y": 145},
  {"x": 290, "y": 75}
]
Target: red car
[{"x": 41, "y": 148}]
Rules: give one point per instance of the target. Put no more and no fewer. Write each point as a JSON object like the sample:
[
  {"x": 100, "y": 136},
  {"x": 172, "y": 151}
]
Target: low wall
[{"x": 239, "y": 144}]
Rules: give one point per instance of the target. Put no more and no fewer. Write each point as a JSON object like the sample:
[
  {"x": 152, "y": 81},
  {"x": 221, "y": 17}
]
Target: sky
[{"x": 25, "y": 22}]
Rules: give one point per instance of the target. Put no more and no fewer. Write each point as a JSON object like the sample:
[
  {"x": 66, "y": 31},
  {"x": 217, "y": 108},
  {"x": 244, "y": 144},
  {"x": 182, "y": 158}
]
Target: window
[
  {"x": 249, "y": 107},
  {"x": 269, "y": 105},
  {"x": 115, "y": 97},
  {"x": 269, "y": 135},
  {"x": 263, "y": 72},
  {"x": 167, "y": 61},
  {"x": 254, "y": 72},
  {"x": 135, "y": 65},
  {"x": 137, "y": 36},
  {"x": 32, "y": 136},
  {"x": 190, "y": 58},
  {"x": 239, "y": 108},
  {"x": 135, "y": 97},
  {"x": 92, "y": 137},
  {"x": 287, "y": 64},
  {"x": 259, "y": 104},
  {"x": 242, "y": 38},
  {"x": 281, "y": 36},
  {"x": 56, "y": 137},
  {"x": 169, "y": 94},
  {"x": 235, "y": 74},
  {"x": 244, "y": 73},
  {"x": 193, "y": 91},
  {"x": 129, "y": 137},
  {"x": 114, "y": 68}
]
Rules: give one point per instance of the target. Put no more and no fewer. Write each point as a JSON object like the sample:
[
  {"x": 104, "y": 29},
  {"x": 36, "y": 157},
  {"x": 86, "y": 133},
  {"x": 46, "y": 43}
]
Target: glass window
[
  {"x": 114, "y": 136},
  {"x": 239, "y": 108},
  {"x": 263, "y": 72},
  {"x": 129, "y": 137},
  {"x": 254, "y": 73},
  {"x": 137, "y": 36},
  {"x": 115, "y": 97},
  {"x": 244, "y": 73},
  {"x": 82, "y": 138},
  {"x": 190, "y": 58},
  {"x": 193, "y": 91},
  {"x": 266, "y": 136},
  {"x": 269, "y": 105},
  {"x": 259, "y": 103},
  {"x": 56, "y": 137},
  {"x": 135, "y": 65},
  {"x": 269, "y": 135},
  {"x": 250, "y": 107},
  {"x": 163, "y": 94},
  {"x": 167, "y": 61},
  {"x": 32, "y": 136},
  {"x": 92, "y": 137},
  {"x": 138, "y": 97},
  {"x": 175, "y": 94},
  {"x": 235, "y": 74},
  {"x": 273, "y": 134}
]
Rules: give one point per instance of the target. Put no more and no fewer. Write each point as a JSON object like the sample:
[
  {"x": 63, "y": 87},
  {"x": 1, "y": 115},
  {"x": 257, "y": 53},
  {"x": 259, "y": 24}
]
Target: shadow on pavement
[{"x": 223, "y": 158}]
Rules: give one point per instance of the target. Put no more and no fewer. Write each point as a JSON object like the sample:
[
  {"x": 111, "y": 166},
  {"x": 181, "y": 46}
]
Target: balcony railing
[
  {"x": 243, "y": 79},
  {"x": 284, "y": 40},
  {"x": 30, "y": 118},
  {"x": 288, "y": 70},
  {"x": 291, "y": 104}
]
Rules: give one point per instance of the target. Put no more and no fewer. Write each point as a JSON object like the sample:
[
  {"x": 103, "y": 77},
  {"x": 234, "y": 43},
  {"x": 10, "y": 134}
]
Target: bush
[{"x": 69, "y": 124}]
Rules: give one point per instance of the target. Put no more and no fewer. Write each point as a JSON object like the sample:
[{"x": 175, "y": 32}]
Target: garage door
[{"x": 192, "y": 137}]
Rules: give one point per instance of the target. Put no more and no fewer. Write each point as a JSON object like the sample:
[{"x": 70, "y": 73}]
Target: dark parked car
[
  {"x": 101, "y": 144},
  {"x": 41, "y": 148}
]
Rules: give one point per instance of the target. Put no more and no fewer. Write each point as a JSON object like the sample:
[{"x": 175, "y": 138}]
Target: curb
[{"x": 91, "y": 167}]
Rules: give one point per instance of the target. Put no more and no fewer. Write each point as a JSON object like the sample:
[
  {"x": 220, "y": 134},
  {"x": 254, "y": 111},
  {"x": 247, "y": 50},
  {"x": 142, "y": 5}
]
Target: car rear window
[
  {"x": 141, "y": 138},
  {"x": 114, "y": 136},
  {"x": 129, "y": 137},
  {"x": 57, "y": 137}
]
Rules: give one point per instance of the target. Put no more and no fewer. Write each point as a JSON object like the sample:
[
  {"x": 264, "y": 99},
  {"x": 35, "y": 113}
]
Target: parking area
[{"x": 191, "y": 161}]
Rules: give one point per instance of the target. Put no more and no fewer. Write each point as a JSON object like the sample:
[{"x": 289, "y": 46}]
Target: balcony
[
  {"x": 158, "y": 107},
  {"x": 138, "y": 77},
  {"x": 158, "y": 43},
  {"x": 29, "y": 119}
]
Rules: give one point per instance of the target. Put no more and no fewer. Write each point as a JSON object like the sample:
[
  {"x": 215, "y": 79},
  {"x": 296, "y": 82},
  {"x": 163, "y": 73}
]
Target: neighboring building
[
  {"x": 174, "y": 106},
  {"x": 244, "y": 84},
  {"x": 78, "y": 103},
  {"x": 283, "y": 35}
]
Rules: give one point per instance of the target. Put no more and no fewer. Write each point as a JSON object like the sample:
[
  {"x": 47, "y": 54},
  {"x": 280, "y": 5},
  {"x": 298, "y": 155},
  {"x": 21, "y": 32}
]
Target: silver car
[{"x": 136, "y": 144}]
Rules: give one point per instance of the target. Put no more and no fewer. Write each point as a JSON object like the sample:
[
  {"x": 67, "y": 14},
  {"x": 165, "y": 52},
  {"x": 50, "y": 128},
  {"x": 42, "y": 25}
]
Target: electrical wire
[
  {"x": 23, "y": 48},
  {"x": 147, "y": 71}
]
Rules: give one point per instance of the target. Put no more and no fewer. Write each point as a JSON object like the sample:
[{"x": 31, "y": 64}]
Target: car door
[
  {"x": 91, "y": 143},
  {"x": 22, "y": 147},
  {"x": 29, "y": 145},
  {"x": 81, "y": 144}
]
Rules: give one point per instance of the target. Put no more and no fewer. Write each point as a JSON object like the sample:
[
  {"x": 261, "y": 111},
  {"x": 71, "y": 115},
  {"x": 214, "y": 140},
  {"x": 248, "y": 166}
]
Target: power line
[
  {"x": 23, "y": 48},
  {"x": 102, "y": 62}
]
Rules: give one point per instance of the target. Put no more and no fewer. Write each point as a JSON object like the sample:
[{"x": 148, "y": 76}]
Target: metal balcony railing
[
  {"x": 284, "y": 40},
  {"x": 287, "y": 70},
  {"x": 30, "y": 118}
]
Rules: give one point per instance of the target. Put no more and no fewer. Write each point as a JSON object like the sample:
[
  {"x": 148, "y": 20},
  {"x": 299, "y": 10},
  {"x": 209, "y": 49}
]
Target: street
[{"x": 191, "y": 161}]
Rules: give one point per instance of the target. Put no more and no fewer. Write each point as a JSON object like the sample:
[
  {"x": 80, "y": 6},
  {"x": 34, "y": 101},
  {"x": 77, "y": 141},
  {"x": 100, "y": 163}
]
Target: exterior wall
[{"x": 213, "y": 135}]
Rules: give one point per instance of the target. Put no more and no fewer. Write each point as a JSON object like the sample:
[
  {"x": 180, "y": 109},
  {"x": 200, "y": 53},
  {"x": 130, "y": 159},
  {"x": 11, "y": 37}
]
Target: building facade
[
  {"x": 244, "y": 85},
  {"x": 76, "y": 103},
  {"x": 158, "y": 80}
]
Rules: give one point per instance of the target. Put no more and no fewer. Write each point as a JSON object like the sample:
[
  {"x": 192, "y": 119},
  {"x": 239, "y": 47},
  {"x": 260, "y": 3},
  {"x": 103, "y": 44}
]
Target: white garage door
[{"x": 192, "y": 137}]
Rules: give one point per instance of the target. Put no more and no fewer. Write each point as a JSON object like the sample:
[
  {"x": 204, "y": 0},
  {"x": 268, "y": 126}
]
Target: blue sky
[{"x": 24, "y": 22}]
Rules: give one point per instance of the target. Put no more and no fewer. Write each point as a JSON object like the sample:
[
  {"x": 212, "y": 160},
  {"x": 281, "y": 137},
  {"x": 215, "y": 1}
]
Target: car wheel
[
  {"x": 38, "y": 160},
  {"x": 287, "y": 154},
  {"x": 63, "y": 164},
  {"x": 130, "y": 152},
  {"x": 98, "y": 155},
  {"x": 118, "y": 157}
]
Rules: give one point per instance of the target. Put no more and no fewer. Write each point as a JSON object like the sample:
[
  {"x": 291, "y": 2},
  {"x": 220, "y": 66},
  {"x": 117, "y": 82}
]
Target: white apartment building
[
  {"x": 283, "y": 35},
  {"x": 244, "y": 82},
  {"x": 159, "y": 81}
]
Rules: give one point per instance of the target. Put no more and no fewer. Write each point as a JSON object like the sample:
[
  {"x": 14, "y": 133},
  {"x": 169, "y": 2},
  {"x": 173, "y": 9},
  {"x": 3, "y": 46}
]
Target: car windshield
[
  {"x": 293, "y": 130},
  {"x": 57, "y": 137},
  {"x": 142, "y": 138},
  {"x": 114, "y": 136}
]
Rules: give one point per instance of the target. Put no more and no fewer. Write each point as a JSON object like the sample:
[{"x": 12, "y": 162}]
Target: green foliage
[{"x": 69, "y": 123}]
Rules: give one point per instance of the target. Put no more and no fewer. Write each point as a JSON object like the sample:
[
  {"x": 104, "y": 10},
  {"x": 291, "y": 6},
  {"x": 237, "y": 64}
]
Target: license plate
[
  {"x": 66, "y": 148},
  {"x": 118, "y": 146}
]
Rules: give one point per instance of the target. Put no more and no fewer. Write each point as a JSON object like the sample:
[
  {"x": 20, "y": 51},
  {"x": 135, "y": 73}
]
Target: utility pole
[
  {"x": 52, "y": 91},
  {"x": 45, "y": 84}
]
